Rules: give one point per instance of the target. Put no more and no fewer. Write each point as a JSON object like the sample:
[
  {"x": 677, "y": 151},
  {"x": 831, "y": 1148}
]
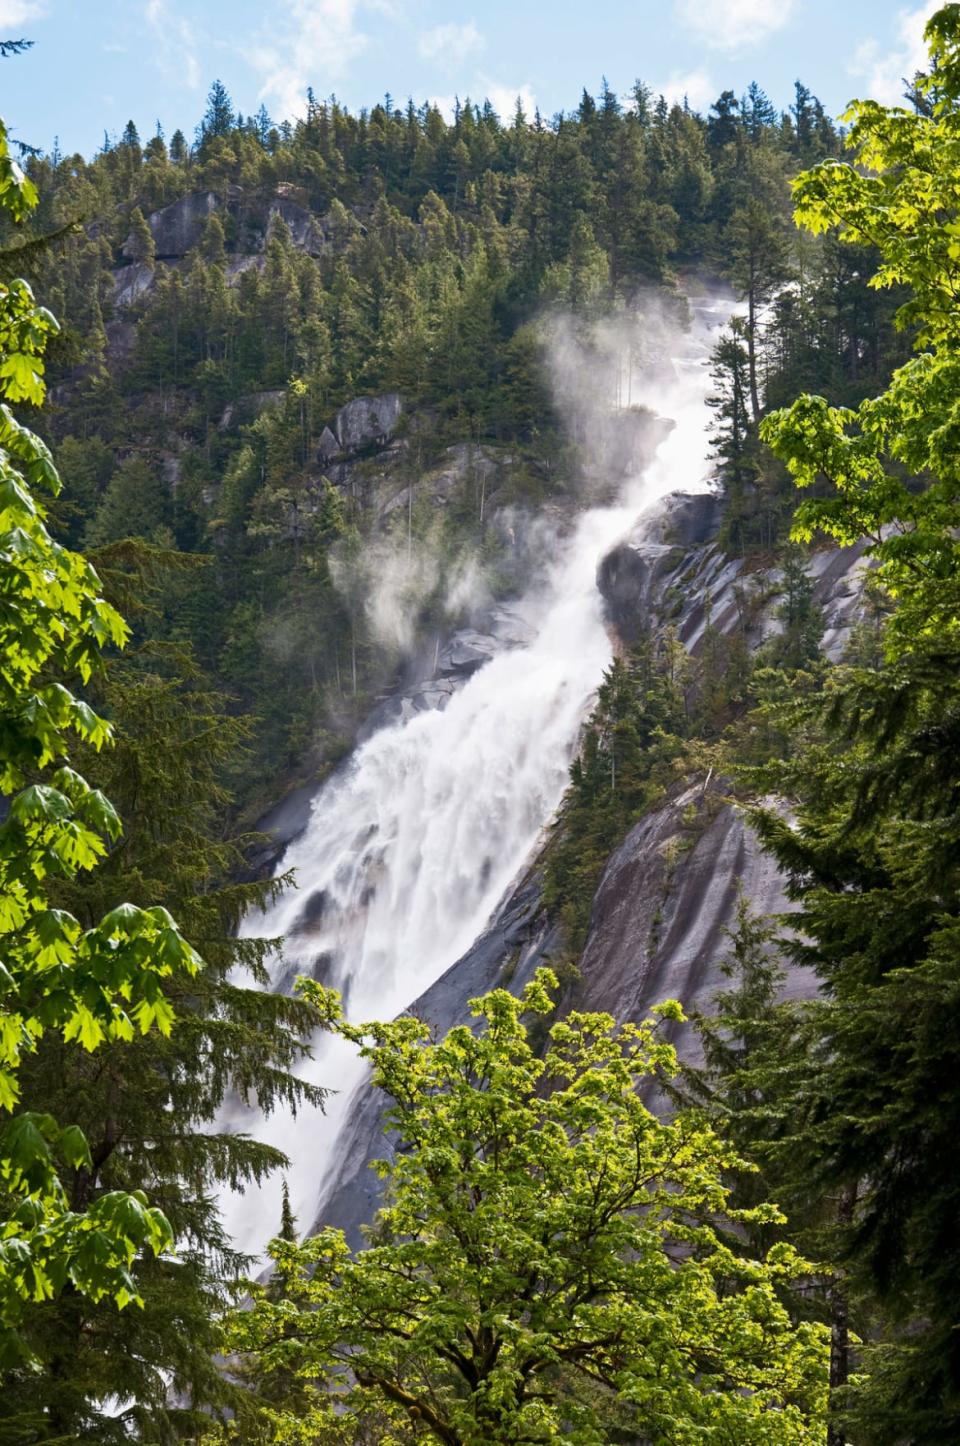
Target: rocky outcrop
[
  {"x": 669, "y": 569},
  {"x": 131, "y": 282},
  {"x": 668, "y": 895},
  {"x": 179, "y": 226},
  {"x": 250, "y": 406},
  {"x": 306, "y": 232},
  {"x": 636, "y": 575},
  {"x": 433, "y": 679},
  {"x": 327, "y": 447},
  {"x": 368, "y": 421},
  {"x": 659, "y": 921}
]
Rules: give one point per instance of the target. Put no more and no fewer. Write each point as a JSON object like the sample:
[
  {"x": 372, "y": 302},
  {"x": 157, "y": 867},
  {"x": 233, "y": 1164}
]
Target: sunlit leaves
[
  {"x": 547, "y": 1264},
  {"x": 893, "y": 462},
  {"x": 91, "y": 985}
]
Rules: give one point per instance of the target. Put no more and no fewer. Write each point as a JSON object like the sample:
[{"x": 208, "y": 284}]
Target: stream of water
[{"x": 411, "y": 847}]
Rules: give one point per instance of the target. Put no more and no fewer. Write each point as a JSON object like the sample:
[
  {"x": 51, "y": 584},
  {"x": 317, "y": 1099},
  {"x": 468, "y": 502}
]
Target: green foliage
[
  {"x": 88, "y": 985},
  {"x": 149, "y": 1107},
  {"x": 904, "y": 160},
  {"x": 871, "y": 851},
  {"x": 620, "y": 769},
  {"x": 399, "y": 252},
  {"x": 416, "y": 255},
  {"x": 548, "y": 1264}
]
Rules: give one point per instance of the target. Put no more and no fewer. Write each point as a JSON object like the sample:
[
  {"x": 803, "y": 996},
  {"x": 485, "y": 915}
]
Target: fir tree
[{"x": 141, "y": 244}]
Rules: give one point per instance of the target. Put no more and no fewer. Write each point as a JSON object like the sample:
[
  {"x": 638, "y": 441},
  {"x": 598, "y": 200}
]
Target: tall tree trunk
[
  {"x": 752, "y": 351},
  {"x": 840, "y": 1328}
]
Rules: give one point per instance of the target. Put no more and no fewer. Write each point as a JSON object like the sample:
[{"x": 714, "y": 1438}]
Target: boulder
[
  {"x": 368, "y": 421},
  {"x": 178, "y": 227},
  {"x": 634, "y": 575}
]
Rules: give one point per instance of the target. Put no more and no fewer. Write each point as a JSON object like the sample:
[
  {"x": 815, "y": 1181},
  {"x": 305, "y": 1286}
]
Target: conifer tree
[
  {"x": 872, "y": 855},
  {"x": 218, "y": 118},
  {"x": 141, "y": 245}
]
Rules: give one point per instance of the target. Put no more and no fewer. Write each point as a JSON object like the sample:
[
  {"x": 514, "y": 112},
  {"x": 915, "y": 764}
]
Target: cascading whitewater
[{"x": 411, "y": 847}]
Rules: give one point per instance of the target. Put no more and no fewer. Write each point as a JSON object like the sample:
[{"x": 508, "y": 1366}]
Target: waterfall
[{"x": 410, "y": 848}]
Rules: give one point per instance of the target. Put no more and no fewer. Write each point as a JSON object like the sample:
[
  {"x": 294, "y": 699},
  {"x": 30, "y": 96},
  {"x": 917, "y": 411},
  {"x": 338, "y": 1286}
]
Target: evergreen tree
[
  {"x": 758, "y": 258},
  {"x": 141, "y": 244},
  {"x": 134, "y": 504},
  {"x": 872, "y": 857},
  {"x": 218, "y": 118}
]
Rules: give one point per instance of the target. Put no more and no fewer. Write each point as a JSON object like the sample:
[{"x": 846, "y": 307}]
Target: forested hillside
[
  {"x": 298, "y": 398},
  {"x": 288, "y": 269}
]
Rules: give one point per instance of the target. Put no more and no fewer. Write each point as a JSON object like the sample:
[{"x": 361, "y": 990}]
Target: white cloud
[
  {"x": 504, "y": 98},
  {"x": 177, "y": 48},
  {"x": 445, "y": 104},
  {"x": 694, "y": 86},
  {"x": 883, "y": 69},
  {"x": 311, "y": 43},
  {"x": 733, "y": 25},
  {"x": 18, "y": 12},
  {"x": 451, "y": 45}
]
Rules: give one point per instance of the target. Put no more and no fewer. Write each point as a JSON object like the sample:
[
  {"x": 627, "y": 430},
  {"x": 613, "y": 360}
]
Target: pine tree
[
  {"x": 141, "y": 244},
  {"x": 179, "y": 151},
  {"x": 218, "y": 118},
  {"x": 758, "y": 266},
  {"x": 135, "y": 503}
]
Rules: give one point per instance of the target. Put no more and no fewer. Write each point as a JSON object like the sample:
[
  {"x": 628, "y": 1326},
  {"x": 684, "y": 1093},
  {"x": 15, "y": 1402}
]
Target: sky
[{"x": 95, "y": 65}]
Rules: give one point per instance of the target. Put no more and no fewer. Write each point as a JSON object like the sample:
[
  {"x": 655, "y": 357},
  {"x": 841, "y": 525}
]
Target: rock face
[
  {"x": 247, "y": 407},
  {"x": 667, "y": 896},
  {"x": 179, "y": 226},
  {"x": 432, "y": 680},
  {"x": 368, "y": 421},
  {"x": 131, "y": 282},
  {"x": 669, "y": 893},
  {"x": 669, "y": 569},
  {"x": 637, "y": 573},
  {"x": 305, "y": 231},
  {"x": 327, "y": 447}
]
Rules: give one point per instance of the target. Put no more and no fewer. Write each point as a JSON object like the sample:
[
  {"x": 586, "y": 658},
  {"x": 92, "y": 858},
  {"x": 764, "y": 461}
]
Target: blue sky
[{"x": 95, "y": 65}]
